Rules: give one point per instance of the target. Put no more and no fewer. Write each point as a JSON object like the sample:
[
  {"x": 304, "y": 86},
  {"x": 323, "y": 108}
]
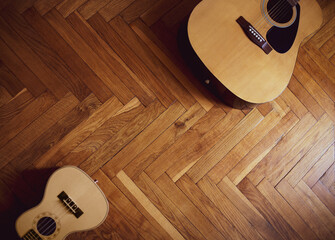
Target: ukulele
[
  {"x": 72, "y": 202},
  {"x": 250, "y": 46}
]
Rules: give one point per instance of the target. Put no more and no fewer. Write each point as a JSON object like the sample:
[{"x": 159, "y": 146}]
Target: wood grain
[{"x": 102, "y": 84}]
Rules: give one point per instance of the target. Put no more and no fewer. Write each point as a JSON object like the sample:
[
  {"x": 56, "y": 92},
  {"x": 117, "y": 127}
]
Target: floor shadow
[{"x": 17, "y": 201}]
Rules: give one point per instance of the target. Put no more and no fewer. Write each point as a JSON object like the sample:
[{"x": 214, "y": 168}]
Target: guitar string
[
  {"x": 274, "y": 8},
  {"x": 275, "y": 12},
  {"x": 281, "y": 16}
]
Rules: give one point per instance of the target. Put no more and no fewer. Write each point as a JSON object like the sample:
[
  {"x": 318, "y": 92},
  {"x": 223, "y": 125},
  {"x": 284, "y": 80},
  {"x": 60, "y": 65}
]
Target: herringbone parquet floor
[{"x": 100, "y": 84}]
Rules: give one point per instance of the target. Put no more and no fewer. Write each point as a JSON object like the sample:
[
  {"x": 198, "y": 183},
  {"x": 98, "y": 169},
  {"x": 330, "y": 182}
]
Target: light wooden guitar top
[{"x": 233, "y": 59}]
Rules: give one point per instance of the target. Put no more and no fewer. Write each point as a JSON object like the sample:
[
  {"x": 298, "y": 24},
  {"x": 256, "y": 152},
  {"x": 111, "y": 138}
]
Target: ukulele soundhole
[
  {"x": 280, "y": 11},
  {"x": 46, "y": 226}
]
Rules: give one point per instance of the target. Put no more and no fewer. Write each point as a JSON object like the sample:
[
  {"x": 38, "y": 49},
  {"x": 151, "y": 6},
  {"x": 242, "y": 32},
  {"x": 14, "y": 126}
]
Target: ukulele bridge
[
  {"x": 254, "y": 35},
  {"x": 69, "y": 204}
]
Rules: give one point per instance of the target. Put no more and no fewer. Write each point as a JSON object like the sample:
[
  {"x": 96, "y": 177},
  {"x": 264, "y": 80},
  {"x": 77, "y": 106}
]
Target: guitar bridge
[
  {"x": 67, "y": 201},
  {"x": 254, "y": 35}
]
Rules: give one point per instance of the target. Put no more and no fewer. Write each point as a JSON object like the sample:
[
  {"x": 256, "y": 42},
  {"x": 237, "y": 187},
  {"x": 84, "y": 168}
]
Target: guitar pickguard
[{"x": 282, "y": 39}]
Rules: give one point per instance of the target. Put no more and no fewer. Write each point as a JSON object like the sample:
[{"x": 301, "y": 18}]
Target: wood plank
[
  {"x": 67, "y": 7},
  {"x": 112, "y": 60},
  {"x": 5, "y": 97},
  {"x": 262, "y": 148},
  {"x": 233, "y": 137},
  {"x": 68, "y": 55},
  {"x": 22, "y": 5},
  {"x": 179, "y": 12},
  {"x": 115, "y": 219},
  {"x": 31, "y": 59},
  {"x": 228, "y": 209},
  {"x": 123, "y": 137},
  {"x": 247, "y": 209},
  {"x": 91, "y": 7},
  {"x": 127, "y": 209},
  {"x": 89, "y": 56},
  {"x": 164, "y": 141},
  {"x": 144, "y": 139},
  {"x": 300, "y": 92},
  {"x": 320, "y": 167},
  {"x": 299, "y": 150},
  {"x": 9, "y": 81},
  {"x": 44, "y": 6},
  {"x": 101, "y": 135},
  {"x": 24, "y": 118},
  {"x": 265, "y": 108},
  {"x": 22, "y": 72},
  {"x": 15, "y": 106},
  {"x": 166, "y": 78},
  {"x": 328, "y": 47},
  {"x": 167, "y": 208},
  {"x": 207, "y": 207},
  {"x": 274, "y": 159},
  {"x": 49, "y": 57},
  {"x": 293, "y": 102},
  {"x": 132, "y": 60},
  {"x": 167, "y": 230},
  {"x": 315, "y": 90},
  {"x": 34, "y": 129},
  {"x": 316, "y": 205},
  {"x": 311, "y": 157},
  {"x": 157, "y": 10},
  {"x": 114, "y": 8},
  {"x": 325, "y": 196},
  {"x": 187, "y": 208},
  {"x": 328, "y": 179},
  {"x": 136, "y": 9},
  {"x": 267, "y": 210},
  {"x": 192, "y": 155},
  {"x": 148, "y": 37},
  {"x": 228, "y": 162},
  {"x": 301, "y": 207},
  {"x": 285, "y": 210},
  {"x": 319, "y": 68},
  {"x": 178, "y": 149},
  {"x": 80, "y": 133},
  {"x": 53, "y": 135},
  {"x": 324, "y": 33}
]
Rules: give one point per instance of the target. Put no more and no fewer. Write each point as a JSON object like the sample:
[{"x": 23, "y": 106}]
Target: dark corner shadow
[
  {"x": 205, "y": 77},
  {"x": 28, "y": 186}
]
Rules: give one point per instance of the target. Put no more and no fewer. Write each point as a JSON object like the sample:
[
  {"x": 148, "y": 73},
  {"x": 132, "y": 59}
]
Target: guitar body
[
  {"x": 72, "y": 202},
  {"x": 240, "y": 65}
]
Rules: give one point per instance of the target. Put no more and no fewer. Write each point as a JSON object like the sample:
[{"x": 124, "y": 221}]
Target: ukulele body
[
  {"x": 236, "y": 62},
  {"x": 72, "y": 202}
]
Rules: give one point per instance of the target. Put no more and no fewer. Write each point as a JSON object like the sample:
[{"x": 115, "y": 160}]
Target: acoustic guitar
[
  {"x": 72, "y": 202},
  {"x": 251, "y": 46}
]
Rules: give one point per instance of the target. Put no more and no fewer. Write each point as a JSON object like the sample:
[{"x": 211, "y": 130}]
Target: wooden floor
[{"x": 99, "y": 84}]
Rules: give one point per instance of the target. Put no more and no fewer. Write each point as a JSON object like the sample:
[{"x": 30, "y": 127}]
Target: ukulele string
[{"x": 49, "y": 222}]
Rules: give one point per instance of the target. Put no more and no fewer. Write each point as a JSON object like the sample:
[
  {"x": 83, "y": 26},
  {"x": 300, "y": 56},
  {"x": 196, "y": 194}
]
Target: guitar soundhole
[
  {"x": 280, "y": 10},
  {"x": 46, "y": 226}
]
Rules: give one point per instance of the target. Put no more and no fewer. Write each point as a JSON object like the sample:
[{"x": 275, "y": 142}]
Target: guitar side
[
  {"x": 87, "y": 196},
  {"x": 233, "y": 59}
]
